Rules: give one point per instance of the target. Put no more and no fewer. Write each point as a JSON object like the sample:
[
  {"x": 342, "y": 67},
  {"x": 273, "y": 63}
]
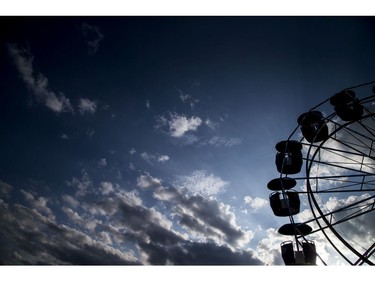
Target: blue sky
[{"x": 150, "y": 140}]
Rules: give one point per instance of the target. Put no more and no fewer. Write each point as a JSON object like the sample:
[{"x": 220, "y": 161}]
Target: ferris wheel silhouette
[{"x": 331, "y": 156}]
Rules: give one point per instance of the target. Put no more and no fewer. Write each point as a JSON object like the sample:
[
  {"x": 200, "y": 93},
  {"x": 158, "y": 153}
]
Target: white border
[{"x": 188, "y": 7}]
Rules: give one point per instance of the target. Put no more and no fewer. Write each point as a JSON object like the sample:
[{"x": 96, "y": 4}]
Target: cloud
[
  {"x": 163, "y": 158},
  {"x": 148, "y": 104},
  {"x": 185, "y": 98},
  {"x": 132, "y": 151},
  {"x": 28, "y": 237},
  {"x": 202, "y": 183},
  {"x": 211, "y": 123},
  {"x": 102, "y": 162},
  {"x": 70, "y": 200},
  {"x": 87, "y": 106},
  {"x": 192, "y": 253},
  {"x": 83, "y": 185},
  {"x": 205, "y": 220},
  {"x": 37, "y": 82},
  {"x": 255, "y": 203},
  {"x": 147, "y": 181},
  {"x": 106, "y": 187},
  {"x": 150, "y": 158},
  {"x": 93, "y": 37},
  {"x": 268, "y": 249},
  {"x": 178, "y": 125},
  {"x": 218, "y": 142},
  {"x": 99, "y": 227},
  {"x": 5, "y": 189},
  {"x": 40, "y": 204}
]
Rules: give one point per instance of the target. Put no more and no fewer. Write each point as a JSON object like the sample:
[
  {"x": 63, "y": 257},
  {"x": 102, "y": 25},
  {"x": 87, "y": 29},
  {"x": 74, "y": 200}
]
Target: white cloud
[
  {"x": 93, "y": 37},
  {"x": 163, "y": 158},
  {"x": 154, "y": 157},
  {"x": 147, "y": 181},
  {"x": 106, "y": 187},
  {"x": 132, "y": 151},
  {"x": 180, "y": 124},
  {"x": 74, "y": 216},
  {"x": 202, "y": 183},
  {"x": 148, "y": 105},
  {"x": 255, "y": 203},
  {"x": 268, "y": 249},
  {"x": 105, "y": 237},
  {"x": 87, "y": 105},
  {"x": 37, "y": 82}
]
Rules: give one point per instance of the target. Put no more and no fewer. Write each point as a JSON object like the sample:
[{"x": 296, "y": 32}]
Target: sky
[{"x": 151, "y": 139}]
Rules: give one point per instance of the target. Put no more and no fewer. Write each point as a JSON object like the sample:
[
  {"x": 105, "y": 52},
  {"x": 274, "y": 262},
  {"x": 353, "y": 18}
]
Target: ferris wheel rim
[{"x": 313, "y": 201}]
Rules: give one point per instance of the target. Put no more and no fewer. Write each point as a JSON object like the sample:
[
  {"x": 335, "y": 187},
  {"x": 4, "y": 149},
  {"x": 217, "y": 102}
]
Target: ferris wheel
[{"x": 328, "y": 165}]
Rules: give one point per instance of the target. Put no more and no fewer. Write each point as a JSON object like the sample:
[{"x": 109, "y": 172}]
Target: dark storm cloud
[
  {"x": 33, "y": 235},
  {"x": 27, "y": 237},
  {"x": 192, "y": 253},
  {"x": 208, "y": 218}
]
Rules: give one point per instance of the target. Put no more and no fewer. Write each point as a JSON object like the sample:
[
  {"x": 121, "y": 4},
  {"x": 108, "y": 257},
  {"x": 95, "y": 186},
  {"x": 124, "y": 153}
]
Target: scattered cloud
[
  {"x": 163, "y": 158},
  {"x": 102, "y": 162},
  {"x": 202, "y": 183},
  {"x": 147, "y": 181},
  {"x": 218, "y": 142},
  {"x": 132, "y": 151},
  {"x": 179, "y": 125},
  {"x": 93, "y": 37},
  {"x": 255, "y": 203},
  {"x": 37, "y": 82},
  {"x": 87, "y": 106},
  {"x": 131, "y": 166},
  {"x": 106, "y": 187},
  {"x": 150, "y": 158},
  {"x": 185, "y": 98},
  {"x": 211, "y": 124},
  {"x": 148, "y": 104},
  {"x": 40, "y": 204},
  {"x": 83, "y": 184}
]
